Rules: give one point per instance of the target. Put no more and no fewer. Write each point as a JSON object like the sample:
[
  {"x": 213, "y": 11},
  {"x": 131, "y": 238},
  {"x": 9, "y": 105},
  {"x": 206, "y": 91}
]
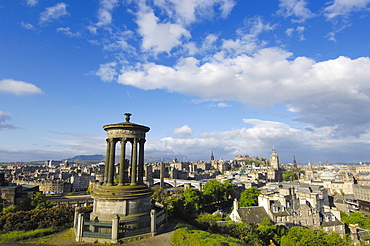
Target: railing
[
  {"x": 134, "y": 227},
  {"x": 97, "y": 229},
  {"x": 161, "y": 217},
  {"x": 116, "y": 229}
]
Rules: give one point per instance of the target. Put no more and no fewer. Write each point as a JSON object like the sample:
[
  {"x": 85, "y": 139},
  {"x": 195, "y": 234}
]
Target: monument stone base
[{"x": 127, "y": 201}]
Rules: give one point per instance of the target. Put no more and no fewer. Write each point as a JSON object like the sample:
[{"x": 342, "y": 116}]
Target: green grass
[
  {"x": 186, "y": 237},
  {"x": 15, "y": 236}
]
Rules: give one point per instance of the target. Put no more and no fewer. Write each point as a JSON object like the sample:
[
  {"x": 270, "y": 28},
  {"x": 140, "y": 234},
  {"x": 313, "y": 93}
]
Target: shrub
[
  {"x": 186, "y": 237},
  {"x": 59, "y": 216}
]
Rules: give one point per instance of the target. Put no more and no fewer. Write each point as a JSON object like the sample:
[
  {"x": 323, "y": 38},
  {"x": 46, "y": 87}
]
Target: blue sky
[{"x": 232, "y": 77}]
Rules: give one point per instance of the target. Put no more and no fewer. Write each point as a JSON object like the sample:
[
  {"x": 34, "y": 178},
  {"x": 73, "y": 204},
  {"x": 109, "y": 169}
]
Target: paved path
[{"x": 162, "y": 239}]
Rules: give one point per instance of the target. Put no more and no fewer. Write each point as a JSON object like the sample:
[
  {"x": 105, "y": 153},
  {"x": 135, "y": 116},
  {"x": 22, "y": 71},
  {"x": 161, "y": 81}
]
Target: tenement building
[
  {"x": 300, "y": 205},
  {"x": 362, "y": 194}
]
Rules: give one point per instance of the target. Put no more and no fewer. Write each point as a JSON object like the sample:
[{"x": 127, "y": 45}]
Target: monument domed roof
[{"x": 127, "y": 125}]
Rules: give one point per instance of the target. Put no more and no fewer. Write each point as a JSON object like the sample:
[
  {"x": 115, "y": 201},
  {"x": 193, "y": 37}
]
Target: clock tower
[{"x": 274, "y": 160}]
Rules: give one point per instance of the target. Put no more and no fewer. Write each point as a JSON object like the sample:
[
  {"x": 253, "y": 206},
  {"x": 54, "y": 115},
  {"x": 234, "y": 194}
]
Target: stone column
[
  {"x": 80, "y": 223},
  {"x": 112, "y": 155},
  {"x": 134, "y": 162},
  {"x": 141, "y": 161},
  {"x": 153, "y": 222},
  {"x": 107, "y": 152},
  {"x": 122, "y": 161},
  {"x": 115, "y": 224},
  {"x": 75, "y": 220}
]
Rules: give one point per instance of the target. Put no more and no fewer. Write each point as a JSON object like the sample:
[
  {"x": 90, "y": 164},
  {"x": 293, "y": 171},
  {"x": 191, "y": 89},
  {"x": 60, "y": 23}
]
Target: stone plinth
[{"x": 125, "y": 201}]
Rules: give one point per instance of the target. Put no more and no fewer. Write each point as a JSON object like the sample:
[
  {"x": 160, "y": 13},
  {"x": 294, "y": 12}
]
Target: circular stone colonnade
[{"x": 130, "y": 198}]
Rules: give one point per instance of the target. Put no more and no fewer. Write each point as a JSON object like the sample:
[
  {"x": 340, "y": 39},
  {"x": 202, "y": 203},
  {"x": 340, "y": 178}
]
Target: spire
[
  {"x": 295, "y": 168},
  {"x": 212, "y": 156}
]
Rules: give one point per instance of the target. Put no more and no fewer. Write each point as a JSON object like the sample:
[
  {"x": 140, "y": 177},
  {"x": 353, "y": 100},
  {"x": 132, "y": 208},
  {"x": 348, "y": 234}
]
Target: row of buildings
[{"x": 314, "y": 200}]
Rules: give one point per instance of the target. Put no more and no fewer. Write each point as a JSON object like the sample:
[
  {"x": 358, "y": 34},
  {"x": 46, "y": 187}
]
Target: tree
[
  {"x": 194, "y": 197},
  {"x": 208, "y": 222},
  {"x": 300, "y": 236},
  {"x": 356, "y": 218},
  {"x": 215, "y": 191},
  {"x": 249, "y": 197},
  {"x": 38, "y": 201},
  {"x": 159, "y": 194},
  {"x": 266, "y": 231},
  {"x": 289, "y": 175},
  {"x": 229, "y": 189},
  {"x": 335, "y": 239}
]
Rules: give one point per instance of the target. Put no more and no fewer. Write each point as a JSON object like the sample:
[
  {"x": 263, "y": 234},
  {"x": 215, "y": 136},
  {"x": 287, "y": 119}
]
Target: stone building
[
  {"x": 362, "y": 178},
  {"x": 16, "y": 193},
  {"x": 274, "y": 172},
  {"x": 248, "y": 215},
  {"x": 80, "y": 181},
  {"x": 362, "y": 194},
  {"x": 300, "y": 205},
  {"x": 47, "y": 186}
]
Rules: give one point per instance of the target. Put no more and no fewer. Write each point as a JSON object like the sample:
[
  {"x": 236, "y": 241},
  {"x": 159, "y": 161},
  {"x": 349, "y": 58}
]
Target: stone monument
[
  {"x": 122, "y": 210},
  {"x": 130, "y": 198}
]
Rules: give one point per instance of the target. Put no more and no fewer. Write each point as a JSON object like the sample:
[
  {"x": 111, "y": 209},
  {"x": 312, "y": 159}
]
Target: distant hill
[
  {"x": 102, "y": 158},
  {"x": 88, "y": 158}
]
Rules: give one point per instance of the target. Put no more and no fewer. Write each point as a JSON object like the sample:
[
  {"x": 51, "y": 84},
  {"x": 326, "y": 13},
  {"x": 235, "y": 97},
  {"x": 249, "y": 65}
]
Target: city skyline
[{"x": 232, "y": 77}]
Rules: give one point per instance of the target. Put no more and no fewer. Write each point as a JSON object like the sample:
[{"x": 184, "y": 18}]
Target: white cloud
[
  {"x": 257, "y": 25},
  {"x": 67, "y": 31},
  {"x": 328, "y": 93},
  {"x": 190, "y": 11},
  {"x": 119, "y": 42},
  {"x": 27, "y": 26},
  {"x": 345, "y": 7},
  {"x": 299, "y": 30},
  {"x": 104, "y": 14},
  {"x": 53, "y": 13},
  {"x": 289, "y": 32},
  {"x": 18, "y": 87},
  {"x": 107, "y": 72},
  {"x": 223, "y": 105},
  {"x": 78, "y": 143},
  {"x": 295, "y": 8},
  {"x": 32, "y": 3},
  {"x": 185, "y": 130},
  {"x": 247, "y": 41},
  {"x": 258, "y": 139},
  {"x": 159, "y": 37},
  {"x": 4, "y": 117},
  {"x": 209, "y": 42}
]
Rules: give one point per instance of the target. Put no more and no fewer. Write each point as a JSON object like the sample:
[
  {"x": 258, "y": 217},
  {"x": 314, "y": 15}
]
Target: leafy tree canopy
[
  {"x": 289, "y": 175},
  {"x": 249, "y": 197},
  {"x": 301, "y": 236}
]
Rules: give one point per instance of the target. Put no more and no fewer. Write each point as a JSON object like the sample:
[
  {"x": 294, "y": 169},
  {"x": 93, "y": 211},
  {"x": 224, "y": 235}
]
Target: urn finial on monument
[{"x": 128, "y": 115}]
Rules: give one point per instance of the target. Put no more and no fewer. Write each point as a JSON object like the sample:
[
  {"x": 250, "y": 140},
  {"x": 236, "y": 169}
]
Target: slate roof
[
  {"x": 325, "y": 223},
  {"x": 252, "y": 214}
]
